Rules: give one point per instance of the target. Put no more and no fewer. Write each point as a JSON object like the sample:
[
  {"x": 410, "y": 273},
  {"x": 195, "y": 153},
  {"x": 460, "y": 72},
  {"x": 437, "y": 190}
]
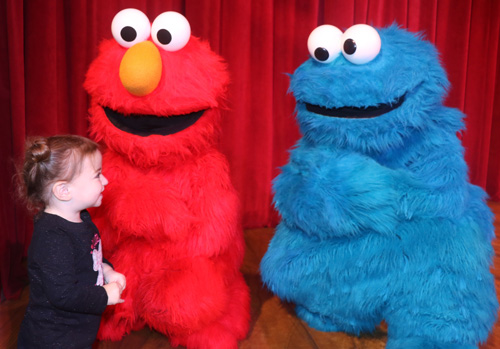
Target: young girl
[{"x": 70, "y": 282}]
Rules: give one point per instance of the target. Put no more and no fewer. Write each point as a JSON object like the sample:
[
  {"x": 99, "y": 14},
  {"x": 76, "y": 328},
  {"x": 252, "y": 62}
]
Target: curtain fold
[
  {"x": 47, "y": 46},
  {"x": 13, "y": 239}
]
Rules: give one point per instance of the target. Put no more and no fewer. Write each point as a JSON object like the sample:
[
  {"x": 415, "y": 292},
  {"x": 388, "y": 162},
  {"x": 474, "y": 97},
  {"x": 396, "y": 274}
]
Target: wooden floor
[{"x": 273, "y": 325}]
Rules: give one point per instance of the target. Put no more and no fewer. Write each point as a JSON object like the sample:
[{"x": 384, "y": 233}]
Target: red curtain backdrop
[{"x": 47, "y": 46}]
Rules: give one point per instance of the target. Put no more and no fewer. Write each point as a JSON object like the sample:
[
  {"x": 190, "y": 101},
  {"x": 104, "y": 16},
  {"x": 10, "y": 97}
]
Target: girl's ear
[{"x": 61, "y": 191}]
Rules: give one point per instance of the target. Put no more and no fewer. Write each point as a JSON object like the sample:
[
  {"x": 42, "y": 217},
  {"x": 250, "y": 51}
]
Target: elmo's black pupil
[
  {"x": 321, "y": 54},
  {"x": 164, "y": 36},
  {"x": 128, "y": 34},
  {"x": 349, "y": 46}
]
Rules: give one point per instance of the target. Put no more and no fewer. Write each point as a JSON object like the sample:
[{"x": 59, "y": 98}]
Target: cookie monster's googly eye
[
  {"x": 171, "y": 31},
  {"x": 360, "y": 44},
  {"x": 324, "y": 43},
  {"x": 130, "y": 26}
]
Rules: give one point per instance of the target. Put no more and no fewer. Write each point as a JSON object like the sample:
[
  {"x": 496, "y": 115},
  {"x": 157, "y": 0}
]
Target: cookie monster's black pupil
[
  {"x": 128, "y": 34},
  {"x": 349, "y": 46},
  {"x": 164, "y": 36},
  {"x": 321, "y": 54}
]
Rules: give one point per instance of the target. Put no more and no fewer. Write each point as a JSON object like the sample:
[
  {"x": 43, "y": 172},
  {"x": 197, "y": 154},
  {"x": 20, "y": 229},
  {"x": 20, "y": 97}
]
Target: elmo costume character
[
  {"x": 170, "y": 215},
  {"x": 379, "y": 221}
]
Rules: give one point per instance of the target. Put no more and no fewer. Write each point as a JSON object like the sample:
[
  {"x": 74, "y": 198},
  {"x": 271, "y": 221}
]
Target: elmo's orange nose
[{"x": 140, "y": 68}]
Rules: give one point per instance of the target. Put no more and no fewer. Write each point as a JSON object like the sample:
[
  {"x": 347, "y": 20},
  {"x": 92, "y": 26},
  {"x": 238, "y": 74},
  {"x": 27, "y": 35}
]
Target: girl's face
[{"x": 88, "y": 185}]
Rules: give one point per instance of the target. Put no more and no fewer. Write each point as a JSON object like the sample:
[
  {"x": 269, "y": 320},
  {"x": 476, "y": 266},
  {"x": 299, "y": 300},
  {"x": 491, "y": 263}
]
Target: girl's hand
[
  {"x": 114, "y": 291},
  {"x": 112, "y": 276}
]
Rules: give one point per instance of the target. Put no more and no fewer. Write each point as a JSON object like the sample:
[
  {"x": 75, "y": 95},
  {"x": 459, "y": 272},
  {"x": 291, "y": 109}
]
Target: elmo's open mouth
[
  {"x": 356, "y": 112},
  {"x": 147, "y": 125}
]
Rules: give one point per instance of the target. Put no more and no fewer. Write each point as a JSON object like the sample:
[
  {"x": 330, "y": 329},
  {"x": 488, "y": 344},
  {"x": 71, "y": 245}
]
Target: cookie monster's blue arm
[
  {"x": 333, "y": 193},
  {"x": 435, "y": 181}
]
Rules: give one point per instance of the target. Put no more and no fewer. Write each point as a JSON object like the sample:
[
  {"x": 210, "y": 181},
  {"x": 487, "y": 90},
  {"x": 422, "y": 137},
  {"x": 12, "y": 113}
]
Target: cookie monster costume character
[
  {"x": 379, "y": 221},
  {"x": 170, "y": 215}
]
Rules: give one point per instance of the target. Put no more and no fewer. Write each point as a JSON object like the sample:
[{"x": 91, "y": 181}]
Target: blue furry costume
[{"x": 379, "y": 221}]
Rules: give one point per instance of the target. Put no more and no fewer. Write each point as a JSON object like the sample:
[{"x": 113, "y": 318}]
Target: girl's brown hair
[{"x": 48, "y": 160}]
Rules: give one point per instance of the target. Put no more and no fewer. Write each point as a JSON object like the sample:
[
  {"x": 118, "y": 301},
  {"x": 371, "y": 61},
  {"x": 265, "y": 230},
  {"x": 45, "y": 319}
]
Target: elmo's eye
[
  {"x": 324, "y": 43},
  {"x": 130, "y": 26},
  {"x": 360, "y": 44},
  {"x": 171, "y": 31}
]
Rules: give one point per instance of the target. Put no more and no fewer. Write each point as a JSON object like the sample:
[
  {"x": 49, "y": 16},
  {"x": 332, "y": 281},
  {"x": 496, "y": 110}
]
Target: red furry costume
[{"x": 169, "y": 219}]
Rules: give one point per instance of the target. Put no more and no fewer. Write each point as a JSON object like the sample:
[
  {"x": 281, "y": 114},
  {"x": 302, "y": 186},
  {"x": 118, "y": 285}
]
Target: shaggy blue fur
[{"x": 379, "y": 221}]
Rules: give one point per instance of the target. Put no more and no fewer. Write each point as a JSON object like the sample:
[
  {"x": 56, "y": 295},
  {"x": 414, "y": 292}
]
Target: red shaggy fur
[{"x": 169, "y": 219}]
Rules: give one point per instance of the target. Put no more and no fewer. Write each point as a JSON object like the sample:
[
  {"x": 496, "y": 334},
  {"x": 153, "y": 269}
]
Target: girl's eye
[
  {"x": 171, "y": 31},
  {"x": 130, "y": 26},
  {"x": 324, "y": 43}
]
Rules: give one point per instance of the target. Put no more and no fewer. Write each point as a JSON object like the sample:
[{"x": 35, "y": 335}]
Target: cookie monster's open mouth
[
  {"x": 356, "y": 112},
  {"x": 147, "y": 125}
]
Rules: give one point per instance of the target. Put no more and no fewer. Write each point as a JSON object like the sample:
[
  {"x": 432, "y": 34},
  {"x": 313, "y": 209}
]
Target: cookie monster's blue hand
[
  {"x": 378, "y": 218},
  {"x": 336, "y": 193}
]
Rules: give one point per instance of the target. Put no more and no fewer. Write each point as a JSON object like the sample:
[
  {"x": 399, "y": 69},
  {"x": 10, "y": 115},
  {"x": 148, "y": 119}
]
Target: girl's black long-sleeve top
[{"x": 65, "y": 305}]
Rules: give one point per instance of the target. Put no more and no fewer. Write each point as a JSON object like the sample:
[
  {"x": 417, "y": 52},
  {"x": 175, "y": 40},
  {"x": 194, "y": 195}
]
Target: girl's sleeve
[
  {"x": 56, "y": 259},
  {"x": 104, "y": 260}
]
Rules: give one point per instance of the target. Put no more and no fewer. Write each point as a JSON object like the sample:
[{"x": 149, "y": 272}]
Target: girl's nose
[
  {"x": 140, "y": 68},
  {"x": 104, "y": 180}
]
